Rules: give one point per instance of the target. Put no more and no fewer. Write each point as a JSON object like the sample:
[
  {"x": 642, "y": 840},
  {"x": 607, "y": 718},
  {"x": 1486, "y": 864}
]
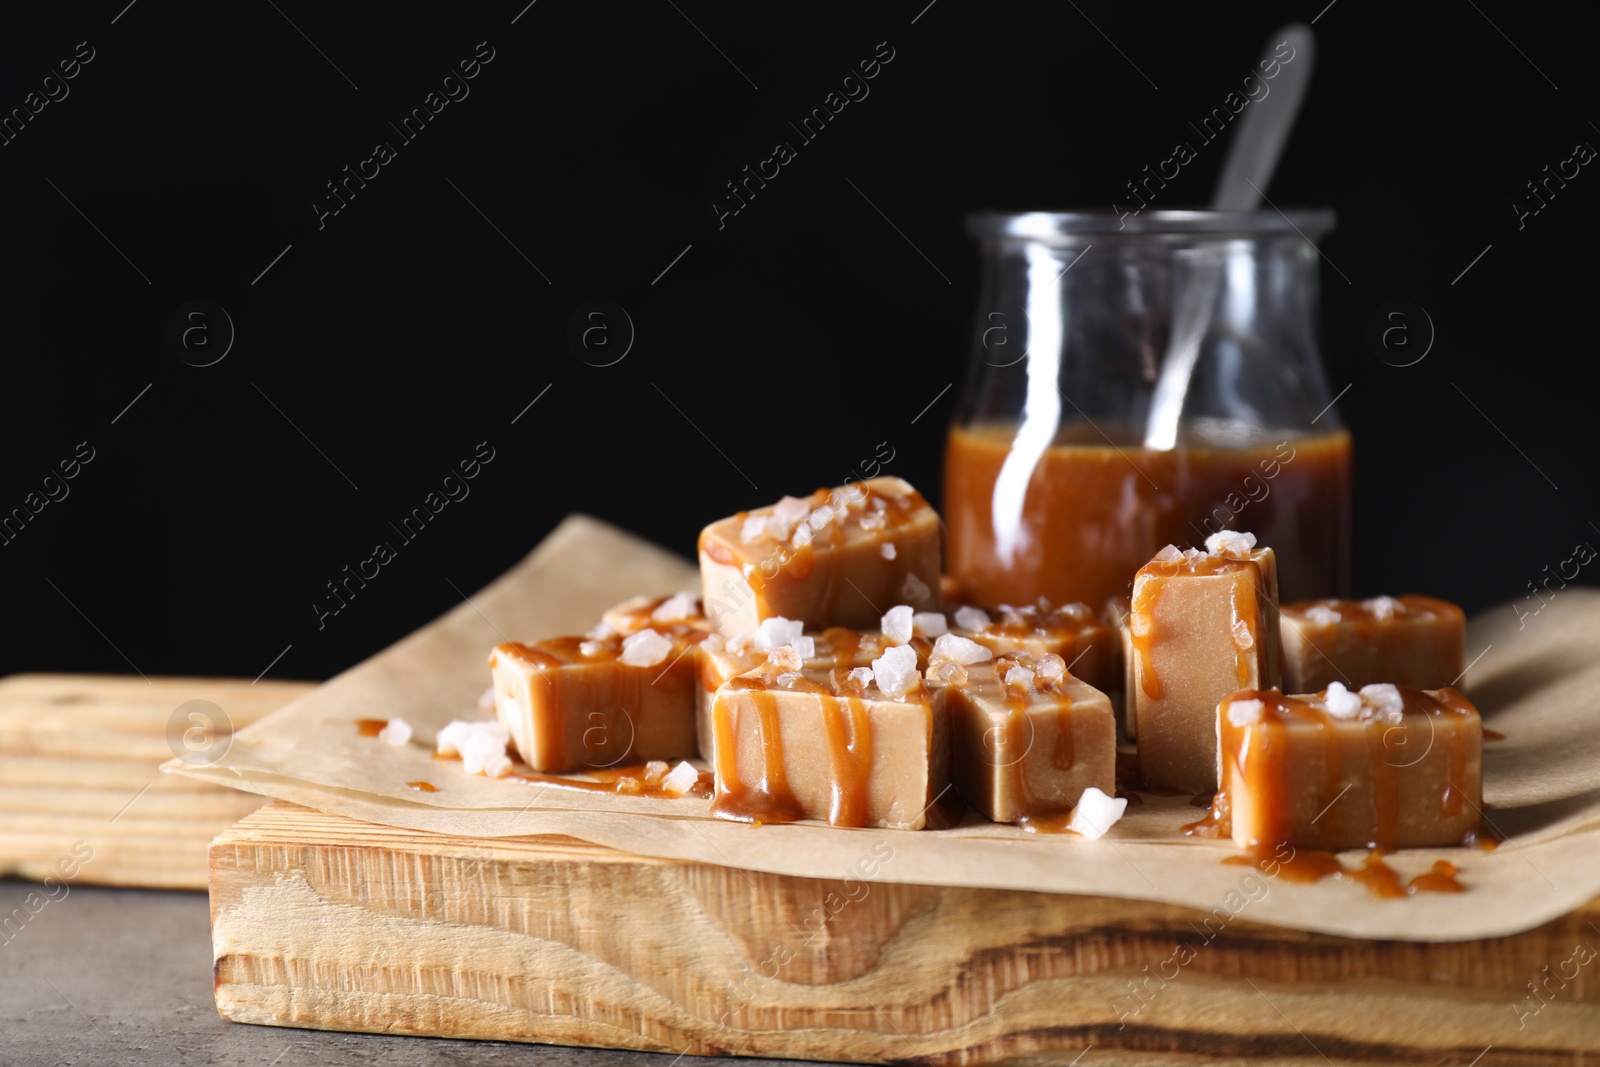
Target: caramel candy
[
  {"x": 1027, "y": 738},
  {"x": 1070, "y": 631},
  {"x": 1414, "y": 641},
  {"x": 825, "y": 560},
  {"x": 1203, "y": 625},
  {"x": 723, "y": 660},
  {"x": 574, "y": 703},
  {"x": 868, "y": 747},
  {"x": 640, "y": 612},
  {"x": 1384, "y": 767},
  {"x": 1116, "y": 616}
]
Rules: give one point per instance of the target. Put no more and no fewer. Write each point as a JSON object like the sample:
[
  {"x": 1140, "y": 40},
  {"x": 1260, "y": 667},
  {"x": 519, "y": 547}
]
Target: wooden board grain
[
  {"x": 78, "y": 774},
  {"x": 323, "y": 922}
]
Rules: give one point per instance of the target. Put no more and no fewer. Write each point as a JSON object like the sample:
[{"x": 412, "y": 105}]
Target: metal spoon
[{"x": 1252, "y": 157}]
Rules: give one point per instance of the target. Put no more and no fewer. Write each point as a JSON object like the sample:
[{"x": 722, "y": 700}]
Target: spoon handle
[{"x": 1263, "y": 129}]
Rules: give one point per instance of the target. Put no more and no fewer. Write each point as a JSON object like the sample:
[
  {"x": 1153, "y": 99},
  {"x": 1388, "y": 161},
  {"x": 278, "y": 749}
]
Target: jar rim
[{"x": 1052, "y": 226}]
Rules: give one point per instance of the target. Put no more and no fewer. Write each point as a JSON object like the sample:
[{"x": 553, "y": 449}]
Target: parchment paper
[{"x": 1537, "y": 681}]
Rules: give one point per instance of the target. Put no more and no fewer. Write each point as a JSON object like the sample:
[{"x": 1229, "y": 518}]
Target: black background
[{"x": 415, "y": 324}]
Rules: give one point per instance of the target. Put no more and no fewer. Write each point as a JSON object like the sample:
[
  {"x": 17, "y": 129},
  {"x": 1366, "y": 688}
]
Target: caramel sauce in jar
[{"x": 1097, "y": 511}]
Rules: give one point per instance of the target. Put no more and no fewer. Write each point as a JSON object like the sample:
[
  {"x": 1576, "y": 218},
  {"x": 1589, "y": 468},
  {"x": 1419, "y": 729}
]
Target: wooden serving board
[
  {"x": 79, "y": 759},
  {"x": 324, "y": 922}
]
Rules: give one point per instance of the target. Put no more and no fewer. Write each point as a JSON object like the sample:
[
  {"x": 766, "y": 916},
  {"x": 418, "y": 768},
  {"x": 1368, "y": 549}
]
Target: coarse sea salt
[
  {"x": 681, "y": 605},
  {"x": 481, "y": 746},
  {"x": 1243, "y": 639},
  {"x": 1051, "y": 667},
  {"x": 680, "y": 779},
  {"x": 1245, "y": 712},
  {"x": 947, "y": 672},
  {"x": 777, "y": 631},
  {"x": 915, "y": 590},
  {"x": 1322, "y": 615},
  {"x": 896, "y": 671},
  {"x": 396, "y": 732},
  {"x": 1340, "y": 702},
  {"x": 972, "y": 618},
  {"x": 1385, "y": 701},
  {"x": 1096, "y": 813},
  {"x": 961, "y": 650},
  {"x": 1020, "y": 677},
  {"x": 1231, "y": 543},
  {"x": 785, "y": 658},
  {"x": 1384, "y": 607},
  {"x": 645, "y": 649},
  {"x": 899, "y": 624}
]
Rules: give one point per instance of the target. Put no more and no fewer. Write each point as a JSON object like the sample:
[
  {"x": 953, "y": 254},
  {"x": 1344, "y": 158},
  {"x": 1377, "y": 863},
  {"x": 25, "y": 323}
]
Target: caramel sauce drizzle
[
  {"x": 1141, "y": 625},
  {"x": 628, "y": 781},
  {"x": 770, "y": 800},
  {"x": 1379, "y": 879},
  {"x": 370, "y": 727},
  {"x": 1249, "y": 663},
  {"x": 849, "y": 733},
  {"x": 423, "y": 787}
]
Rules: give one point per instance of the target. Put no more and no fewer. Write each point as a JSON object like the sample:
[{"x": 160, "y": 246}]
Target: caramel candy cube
[
  {"x": 574, "y": 703},
  {"x": 642, "y": 612},
  {"x": 1070, "y": 631},
  {"x": 1203, "y": 625},
  {"x": 824, "y": 560},
  {"x": 1027, "y": 738},
  {"x": 1385, "y": 767},
  {"x": 807, "y": 744},
  {"x": 1414, "y": 641},
  {"x": 721, "y": 661}
]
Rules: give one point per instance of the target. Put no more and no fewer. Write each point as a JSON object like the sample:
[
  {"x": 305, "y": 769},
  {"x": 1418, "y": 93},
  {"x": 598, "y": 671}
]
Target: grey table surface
[{"x": 123, "y": 976}]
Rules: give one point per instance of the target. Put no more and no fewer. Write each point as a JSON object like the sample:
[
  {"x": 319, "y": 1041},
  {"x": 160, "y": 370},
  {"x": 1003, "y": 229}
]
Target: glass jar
[{"x": 1084, "y": 440}]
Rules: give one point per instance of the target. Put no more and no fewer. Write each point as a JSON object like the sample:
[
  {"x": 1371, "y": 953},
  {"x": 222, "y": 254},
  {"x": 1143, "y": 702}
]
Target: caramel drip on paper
[
  {"x": 1379, "y": 879},
  {"x": 627, "y": 781},
  {"x": 1441, "y": 879}
]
